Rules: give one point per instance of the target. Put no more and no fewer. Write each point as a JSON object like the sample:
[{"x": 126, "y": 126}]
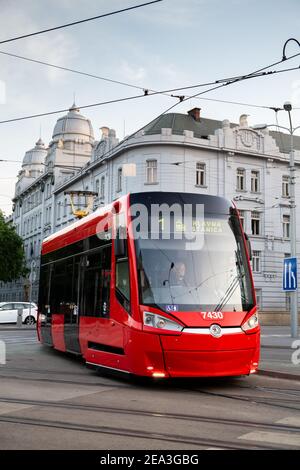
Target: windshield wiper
[
  {"x": 229, "y": 292},
  {"x": 168, "y": 281}
]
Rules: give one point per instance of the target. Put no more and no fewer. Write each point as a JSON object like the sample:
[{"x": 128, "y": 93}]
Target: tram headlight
[
  {"x": 251, "y": 323},
  {"x": 158, "y": 321}
]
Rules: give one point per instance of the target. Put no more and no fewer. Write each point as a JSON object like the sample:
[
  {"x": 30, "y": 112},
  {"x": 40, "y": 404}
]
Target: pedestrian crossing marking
[
  {"x": 272, "y": 438},
  {"x": 290, "y": 421},
  {"x": 18, "y": 339},
  {"x": 12, "y": 407}
]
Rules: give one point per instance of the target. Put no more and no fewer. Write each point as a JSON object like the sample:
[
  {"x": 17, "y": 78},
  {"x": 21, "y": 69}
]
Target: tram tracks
[
  {"x": 178, "y": 439},
  {"x": 151, "y": 414},
  {"x": 66, "y": 382},
  {"x": 284, "y": 402},
  {"x": 290, "y": 397},
  {"x": 255, "y": 399}
]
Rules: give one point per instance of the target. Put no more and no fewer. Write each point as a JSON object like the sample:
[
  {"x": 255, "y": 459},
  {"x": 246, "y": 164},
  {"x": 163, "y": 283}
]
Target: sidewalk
[{"x": 277, "y": 351}]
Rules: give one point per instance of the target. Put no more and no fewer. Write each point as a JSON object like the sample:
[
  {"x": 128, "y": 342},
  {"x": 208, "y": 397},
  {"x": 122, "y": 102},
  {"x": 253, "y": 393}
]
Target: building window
[
  {"x": 255, "y": 223},
  {"x": 119, "y": 181},
  {"x": 256, "y": 261},
  {"x": 286, "y": 226},
  {"x": 285, "y": 186},
  {"x": 200, "y": 174},
  {"x": 65, "y": 207},
  {"x": 242, "y": 218},
  {"x": 254, "y": 181},
  {"x": 97, "y": 187},
  {"x": 240, "y": 179},
  {"x": 58, "y": 210},
  {"x": 102, "y": 187},
  {"x": 151, "y": 171}
]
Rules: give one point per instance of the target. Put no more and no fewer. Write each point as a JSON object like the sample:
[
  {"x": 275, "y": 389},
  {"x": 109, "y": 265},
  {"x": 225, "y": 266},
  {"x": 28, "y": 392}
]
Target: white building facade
[{"x": 177, "y": 152}]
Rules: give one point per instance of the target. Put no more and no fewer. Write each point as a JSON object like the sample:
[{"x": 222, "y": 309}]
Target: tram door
[
  {"x": 86, "y": 288},
  {"x": 44, "y": 304},
  {"x": 70, "y": 307}
]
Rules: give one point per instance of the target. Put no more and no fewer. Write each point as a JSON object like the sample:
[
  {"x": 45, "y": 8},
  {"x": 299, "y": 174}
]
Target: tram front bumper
[{"x": 201, "y": 355}]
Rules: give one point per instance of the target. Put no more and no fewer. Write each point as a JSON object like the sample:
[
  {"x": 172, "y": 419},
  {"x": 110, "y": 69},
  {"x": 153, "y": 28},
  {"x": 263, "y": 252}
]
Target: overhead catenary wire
[
  {"x": 181, "y": 99},
  {"x": 235, "y": 80},
  {"x": 244, "y": 77},
  {"x": 72, "y": 70},
  {"x": 74, "y": 23},
  {"x": 144, "y": 89},
  {"x": 118, "y": 82}
]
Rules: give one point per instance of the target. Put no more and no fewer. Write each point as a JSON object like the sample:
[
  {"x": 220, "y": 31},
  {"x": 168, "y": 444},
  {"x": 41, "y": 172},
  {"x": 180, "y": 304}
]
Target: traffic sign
[{"x": 289, "y": 274}]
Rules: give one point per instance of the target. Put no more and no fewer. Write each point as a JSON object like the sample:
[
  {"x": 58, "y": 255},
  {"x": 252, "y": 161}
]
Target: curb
[{"x": 278, "y": 375}]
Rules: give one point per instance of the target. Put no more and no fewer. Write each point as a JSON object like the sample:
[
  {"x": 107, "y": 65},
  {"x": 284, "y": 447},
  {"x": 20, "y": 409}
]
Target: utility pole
[
  {"x": 293, "y": 232},
  {"x": 292, "y": 196}
]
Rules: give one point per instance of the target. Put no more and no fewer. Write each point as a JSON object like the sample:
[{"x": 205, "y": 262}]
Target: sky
[{"x": 166, "y": 45}]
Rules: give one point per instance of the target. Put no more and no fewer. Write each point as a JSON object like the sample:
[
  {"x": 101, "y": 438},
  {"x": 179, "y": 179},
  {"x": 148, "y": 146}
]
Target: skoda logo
[{"x": 216, "y": 331}]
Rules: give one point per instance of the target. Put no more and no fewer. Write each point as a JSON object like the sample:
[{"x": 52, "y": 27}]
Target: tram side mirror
[
  {"x": 120, "y": 243},
  {"x": 248, "y": 246}
]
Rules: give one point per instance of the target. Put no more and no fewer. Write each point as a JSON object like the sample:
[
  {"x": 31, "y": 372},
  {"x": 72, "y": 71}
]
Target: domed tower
[
  {"x": 32, "y": 166},
  {"x": 34, "y": 158},
  {"x": 71, "y": 145},
  {"x": 73, "y": 132}
]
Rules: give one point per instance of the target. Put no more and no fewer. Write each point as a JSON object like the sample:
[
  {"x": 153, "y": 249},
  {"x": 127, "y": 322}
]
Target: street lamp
[{"x": 291, "y": 130}]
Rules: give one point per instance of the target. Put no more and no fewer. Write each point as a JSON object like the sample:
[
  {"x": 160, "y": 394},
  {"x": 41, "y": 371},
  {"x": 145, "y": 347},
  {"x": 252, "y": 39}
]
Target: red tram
[{"x": 145, "y": 299}]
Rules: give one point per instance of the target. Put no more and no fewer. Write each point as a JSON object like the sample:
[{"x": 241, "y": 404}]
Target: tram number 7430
[{"x": 212, "y": 315}]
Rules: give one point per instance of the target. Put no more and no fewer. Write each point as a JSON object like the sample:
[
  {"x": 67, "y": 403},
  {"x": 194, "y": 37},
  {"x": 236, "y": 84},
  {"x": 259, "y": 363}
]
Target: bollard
[{"x": 20, "y": 318}]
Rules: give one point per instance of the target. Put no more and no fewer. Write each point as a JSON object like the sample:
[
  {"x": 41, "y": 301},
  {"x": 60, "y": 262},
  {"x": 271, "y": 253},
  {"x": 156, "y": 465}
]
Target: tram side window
[
  {"x": 122, "y": 282},
  {"x": 58, "y": 287},
  {"x": 69, "y": 294},
  {"x": 96, "y": 271},
  {"x": 44, "y": 290},
  {"x": 90, "y": 301}
]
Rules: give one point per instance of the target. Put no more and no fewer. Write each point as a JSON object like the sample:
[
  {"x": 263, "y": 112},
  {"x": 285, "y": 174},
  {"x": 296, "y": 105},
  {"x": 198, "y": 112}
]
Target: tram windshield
[{"x": 207, "y": 273}]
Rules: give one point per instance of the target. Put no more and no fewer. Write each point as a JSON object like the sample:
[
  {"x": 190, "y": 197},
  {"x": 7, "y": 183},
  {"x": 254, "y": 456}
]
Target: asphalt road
[{"x": 50, "y": 400}]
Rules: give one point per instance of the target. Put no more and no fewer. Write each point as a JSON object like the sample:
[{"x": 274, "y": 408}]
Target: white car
[{"x": 9, "y": 312}]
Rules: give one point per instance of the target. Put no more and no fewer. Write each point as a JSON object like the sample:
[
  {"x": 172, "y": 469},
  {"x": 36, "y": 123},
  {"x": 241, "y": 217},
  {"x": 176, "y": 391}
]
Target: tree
[{"x": 12, "y": 256}]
